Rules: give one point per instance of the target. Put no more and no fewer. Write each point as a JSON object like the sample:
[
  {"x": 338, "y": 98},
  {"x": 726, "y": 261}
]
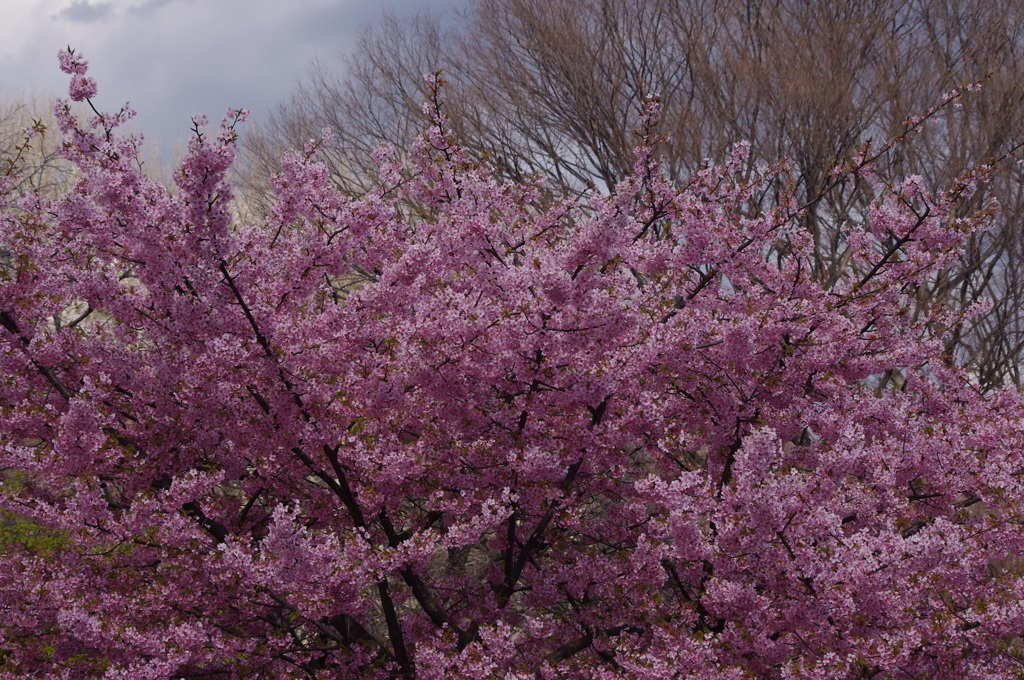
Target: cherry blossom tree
[{"x": 437, "y": 432}]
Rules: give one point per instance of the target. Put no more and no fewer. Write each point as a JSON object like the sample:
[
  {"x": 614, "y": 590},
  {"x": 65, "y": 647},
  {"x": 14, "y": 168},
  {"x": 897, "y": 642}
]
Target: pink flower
[
  {"x": 81, "y": 87},
  {"x": 71, "y": 62}
]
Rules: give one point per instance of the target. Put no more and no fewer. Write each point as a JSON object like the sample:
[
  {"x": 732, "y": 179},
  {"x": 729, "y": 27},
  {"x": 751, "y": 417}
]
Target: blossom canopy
[{"x": 449, "y": 430}]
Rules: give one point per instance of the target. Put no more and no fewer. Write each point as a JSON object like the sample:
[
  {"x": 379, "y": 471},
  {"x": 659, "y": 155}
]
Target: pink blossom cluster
[
  {"x": 81, "y": 87},
  {"x": 633, "y": 437}
]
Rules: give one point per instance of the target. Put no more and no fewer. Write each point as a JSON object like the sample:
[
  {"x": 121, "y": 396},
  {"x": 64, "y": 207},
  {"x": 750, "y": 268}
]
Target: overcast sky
[{"x": 174, "y": 58}]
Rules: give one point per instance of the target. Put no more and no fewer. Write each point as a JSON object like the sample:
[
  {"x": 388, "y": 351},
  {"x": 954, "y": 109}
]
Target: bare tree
[
  {"x": 555, "y": 87},
  {"x": 28, "y": 148}
]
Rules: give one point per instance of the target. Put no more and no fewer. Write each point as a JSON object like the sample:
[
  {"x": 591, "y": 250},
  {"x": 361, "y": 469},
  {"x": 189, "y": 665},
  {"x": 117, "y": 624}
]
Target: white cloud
[
  {"x": 86, "y": 12},
  {"x": 174, "y": 58}
]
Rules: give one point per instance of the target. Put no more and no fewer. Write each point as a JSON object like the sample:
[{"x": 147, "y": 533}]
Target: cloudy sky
[{"x": 174, "y": 58}]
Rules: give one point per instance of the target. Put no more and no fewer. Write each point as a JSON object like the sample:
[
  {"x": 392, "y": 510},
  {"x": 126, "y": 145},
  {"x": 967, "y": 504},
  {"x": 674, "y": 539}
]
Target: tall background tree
[
  {"x": 29, "y": 145},
  {"x": 554, "y": 87}
]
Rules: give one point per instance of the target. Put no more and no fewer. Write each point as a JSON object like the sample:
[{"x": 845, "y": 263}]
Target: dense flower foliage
[{"x": 627, "y": 438}]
